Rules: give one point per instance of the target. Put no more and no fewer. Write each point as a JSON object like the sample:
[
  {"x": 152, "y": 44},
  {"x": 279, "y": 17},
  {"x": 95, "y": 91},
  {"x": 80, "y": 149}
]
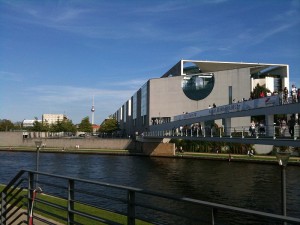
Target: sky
[{"x": 57, "y": 55}]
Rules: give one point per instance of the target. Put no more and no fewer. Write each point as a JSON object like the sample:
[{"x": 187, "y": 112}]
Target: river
[{"x": 247, "y": 185}]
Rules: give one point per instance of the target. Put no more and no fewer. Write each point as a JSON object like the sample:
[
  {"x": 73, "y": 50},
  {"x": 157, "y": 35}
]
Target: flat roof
[{"x": 215, "y": 66}]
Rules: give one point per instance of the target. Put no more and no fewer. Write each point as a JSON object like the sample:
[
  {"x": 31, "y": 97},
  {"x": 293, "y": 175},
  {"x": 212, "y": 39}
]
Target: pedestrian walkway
[{"x": 23, "y": 219}]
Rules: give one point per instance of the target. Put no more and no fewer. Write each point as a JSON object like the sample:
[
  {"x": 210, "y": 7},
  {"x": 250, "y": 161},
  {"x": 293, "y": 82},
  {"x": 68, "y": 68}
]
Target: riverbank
[{"x": 188, "y": 155}]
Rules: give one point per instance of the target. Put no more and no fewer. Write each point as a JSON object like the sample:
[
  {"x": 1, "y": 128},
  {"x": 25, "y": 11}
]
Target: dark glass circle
[{"x": 197, "y": 87}]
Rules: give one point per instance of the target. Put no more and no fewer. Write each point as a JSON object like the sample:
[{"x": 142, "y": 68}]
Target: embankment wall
[{"x": 15, "y": 139}]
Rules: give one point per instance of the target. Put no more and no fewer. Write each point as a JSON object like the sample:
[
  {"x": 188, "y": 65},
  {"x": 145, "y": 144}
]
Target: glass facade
[
  {"x": 134, "y": 106},
  {"x": 144, "y": 100},
  {"x": 124, "y": 112},
  {"x": 199, "y": 86}
]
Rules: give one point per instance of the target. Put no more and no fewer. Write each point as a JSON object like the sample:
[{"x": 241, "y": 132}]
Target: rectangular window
[
  {"x": 144, "y": 100},
  {"x": 230, "y": 94},
  {"x": 125, "y": 112},
  {"x": 134, "y": 106},
  {"x": 129, "y": 107}
]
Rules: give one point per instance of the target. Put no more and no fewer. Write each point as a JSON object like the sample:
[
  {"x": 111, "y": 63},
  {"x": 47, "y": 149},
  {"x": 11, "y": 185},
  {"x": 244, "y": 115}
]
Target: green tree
[
  {"x": 109, "y": 125},
  {"x": 40, "y": 127},
  {"x": 85, "y": 125},
  {"x": 6, "y": 125},
  {"x": 257, "y": 90},
  {"x": 63, "y": 126}
]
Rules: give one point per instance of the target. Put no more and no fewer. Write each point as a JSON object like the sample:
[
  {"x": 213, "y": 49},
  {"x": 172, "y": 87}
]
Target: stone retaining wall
[{"x": 15, "y": 139}]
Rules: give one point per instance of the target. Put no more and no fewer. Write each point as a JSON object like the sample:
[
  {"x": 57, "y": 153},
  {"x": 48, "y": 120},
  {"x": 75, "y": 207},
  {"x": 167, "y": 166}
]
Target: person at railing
[
  {"x": 285, "y": 94},
  {"x": 291, "y": 124},
  {"x": 261, "y": 129},
  {"x": 252, "y": 128},
  {"x": 282, "y": 127},
  {"x": 294, "y": 93}
]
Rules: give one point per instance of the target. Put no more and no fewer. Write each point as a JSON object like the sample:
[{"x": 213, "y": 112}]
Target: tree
[
  {"x": 109, "y": 125},
  {"x": 6, "y": 125},
  {"x": 85, "y": 125},
  {"x": 63, "y": 126},
  {"x": 257, "y": 90},
  {"x": 40, "y": 127}
]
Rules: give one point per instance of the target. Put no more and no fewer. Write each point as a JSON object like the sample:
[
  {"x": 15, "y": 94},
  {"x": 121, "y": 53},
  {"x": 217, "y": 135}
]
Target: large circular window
[{"x": 198, "y": 86}]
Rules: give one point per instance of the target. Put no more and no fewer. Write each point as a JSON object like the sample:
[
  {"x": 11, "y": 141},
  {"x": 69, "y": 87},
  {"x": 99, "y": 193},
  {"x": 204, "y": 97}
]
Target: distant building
[
  {"x": 95, "y": 128},
  {"x": 30, "y": 123},
  {"x": 53, "y": 118},
  {"x": 195, "y": 85}
]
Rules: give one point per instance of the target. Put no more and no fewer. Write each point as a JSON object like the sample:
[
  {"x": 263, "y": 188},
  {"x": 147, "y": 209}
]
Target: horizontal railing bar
[
  {"x": 81, "y": 191},
  {"x": 189, "y": 200},
  {"x": 52, "y": 185},
  {"x": 242, "y": 210},
  {"x": 51, "y": 214},
  {"x": 51, "y": 204},
  {"x": 100, "y": 208},
  {"x": 43, "y": 220},
  {"x": 89, "y": 216},
  {"x": 166, "y": 211}
]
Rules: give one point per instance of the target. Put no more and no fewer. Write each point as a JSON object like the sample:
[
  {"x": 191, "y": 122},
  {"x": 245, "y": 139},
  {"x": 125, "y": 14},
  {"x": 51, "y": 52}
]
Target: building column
[
  {"x": 269, "y": 125},
  {"x": 227, "y": 126}
]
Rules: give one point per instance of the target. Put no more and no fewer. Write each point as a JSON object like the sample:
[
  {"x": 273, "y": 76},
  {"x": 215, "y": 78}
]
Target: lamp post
[
  {"x": 38, "y": 145},
  {"x": 283, "y": 158}
]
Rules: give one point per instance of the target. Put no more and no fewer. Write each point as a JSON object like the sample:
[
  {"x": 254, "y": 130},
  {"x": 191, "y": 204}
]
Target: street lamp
[
  {"x": 38, "y": 145},
  {"x": 283, "y": 158}
]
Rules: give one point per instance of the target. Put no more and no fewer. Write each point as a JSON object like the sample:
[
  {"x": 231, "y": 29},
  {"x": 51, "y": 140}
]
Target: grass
[
  {"x": 256, "y": 158},
  {"x": 57, "y": 206}
]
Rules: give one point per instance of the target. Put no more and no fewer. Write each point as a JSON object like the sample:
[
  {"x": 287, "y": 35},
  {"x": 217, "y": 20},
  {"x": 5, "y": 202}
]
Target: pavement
[{"x": 23, "y": 219}]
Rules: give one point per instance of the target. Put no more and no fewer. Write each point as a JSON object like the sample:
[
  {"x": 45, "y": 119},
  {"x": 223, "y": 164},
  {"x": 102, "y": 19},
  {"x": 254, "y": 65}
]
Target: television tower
[{"x": 93, "y": 111}]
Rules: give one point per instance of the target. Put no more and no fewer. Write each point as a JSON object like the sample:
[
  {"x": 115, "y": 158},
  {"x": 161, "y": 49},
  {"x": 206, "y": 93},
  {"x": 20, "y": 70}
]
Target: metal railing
[
  {"x": 239, "y": 131},
  {"x": 78, "y": 201}
]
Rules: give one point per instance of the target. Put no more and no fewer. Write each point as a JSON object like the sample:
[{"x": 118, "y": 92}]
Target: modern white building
[
  {"x": 192, "y": 85},
  {"x": 30, "y": 123},
  {"x": 53, "y": 118}
]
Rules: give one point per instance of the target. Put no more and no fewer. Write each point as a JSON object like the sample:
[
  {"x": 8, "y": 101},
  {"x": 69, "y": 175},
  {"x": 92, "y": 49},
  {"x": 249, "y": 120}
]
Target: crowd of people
[{"x": 285, "y": 127}]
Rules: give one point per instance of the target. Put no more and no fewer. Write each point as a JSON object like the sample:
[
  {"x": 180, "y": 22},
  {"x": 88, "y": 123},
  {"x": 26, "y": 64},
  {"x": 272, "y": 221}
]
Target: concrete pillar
[
  {"x": 269, "y": 125},
  {"x": 296, "y": 131},
  {"x": 227, "y": 126},
  {"x": 202, "y": 132}
]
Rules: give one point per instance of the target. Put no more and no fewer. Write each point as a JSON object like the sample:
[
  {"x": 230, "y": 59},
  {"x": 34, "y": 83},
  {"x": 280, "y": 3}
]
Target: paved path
[{"x": 23, "y": 220}]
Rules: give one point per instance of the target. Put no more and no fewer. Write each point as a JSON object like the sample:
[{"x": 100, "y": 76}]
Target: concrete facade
[{"x": 161, "y": 99}]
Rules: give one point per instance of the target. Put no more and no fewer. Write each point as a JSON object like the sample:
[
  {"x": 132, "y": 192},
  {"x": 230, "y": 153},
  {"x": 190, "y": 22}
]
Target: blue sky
[{"x": 56, "y": 55}]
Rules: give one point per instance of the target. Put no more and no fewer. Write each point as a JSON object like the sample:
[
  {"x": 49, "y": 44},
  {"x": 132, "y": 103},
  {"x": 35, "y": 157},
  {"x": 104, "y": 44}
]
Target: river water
[{"x": 247, "y": 185}]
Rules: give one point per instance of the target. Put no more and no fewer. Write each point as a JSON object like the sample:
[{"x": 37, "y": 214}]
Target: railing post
[
  {"x": 243, "y": 132},
  {"x": 213, "y": 216},
  {"x": 30, "y": 193},
  {"x": 131, "y": 208},
  {"x": 71, "y": 187}
]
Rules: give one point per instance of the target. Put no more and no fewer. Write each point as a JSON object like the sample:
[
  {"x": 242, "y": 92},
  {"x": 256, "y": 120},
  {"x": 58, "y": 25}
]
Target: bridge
[{"x": 191, "y": 126}]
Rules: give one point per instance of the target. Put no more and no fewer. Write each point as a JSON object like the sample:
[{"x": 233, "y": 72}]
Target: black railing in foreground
[{"x": 79, "y": 201}]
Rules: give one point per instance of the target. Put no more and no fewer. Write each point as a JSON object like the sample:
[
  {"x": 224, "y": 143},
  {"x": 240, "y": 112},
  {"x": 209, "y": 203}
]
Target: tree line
[{"x": 109, "y": 125}]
